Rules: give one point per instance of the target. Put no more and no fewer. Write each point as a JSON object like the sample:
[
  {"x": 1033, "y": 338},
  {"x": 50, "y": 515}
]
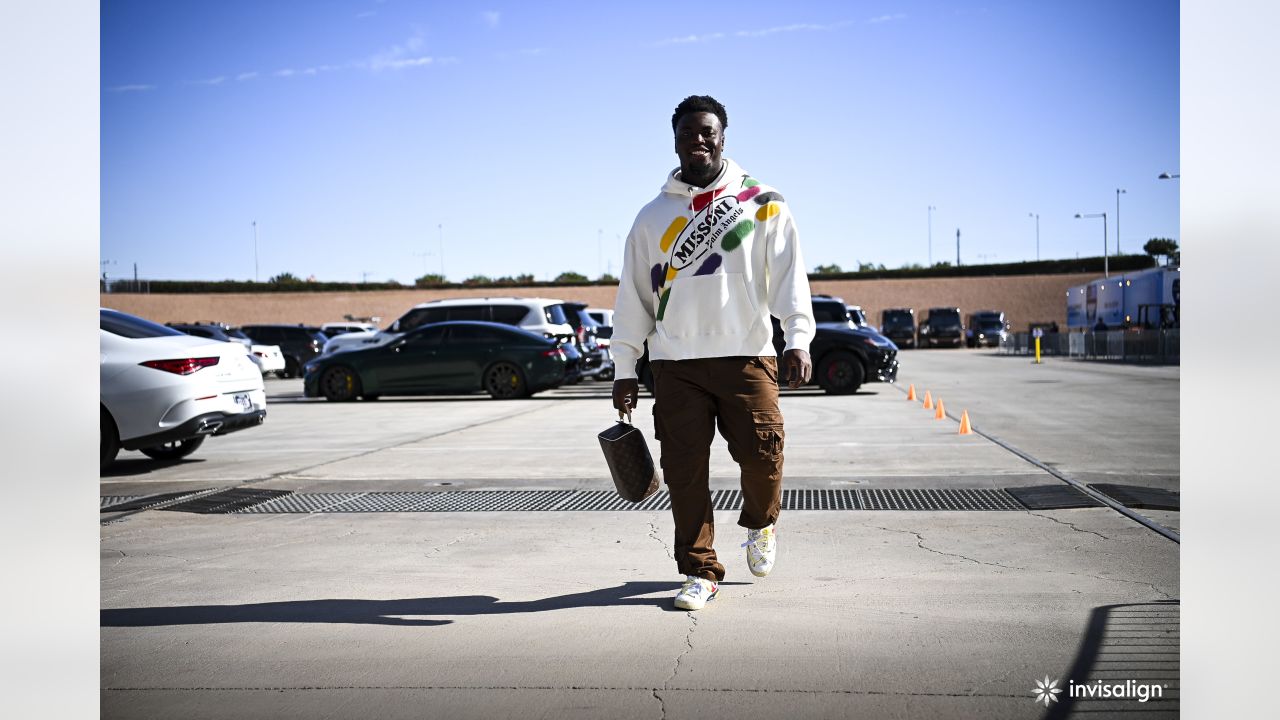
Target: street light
[
  {"x": 1119, "y": 192},
  {"x": 931, "y": 209},
  {"x": 1037, "y": 217},
  {"x": 1106, "y": 272},
  {"x": 1167, "y": 176}
]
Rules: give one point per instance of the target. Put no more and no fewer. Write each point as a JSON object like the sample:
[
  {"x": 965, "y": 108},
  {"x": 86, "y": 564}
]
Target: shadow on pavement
[
  {"x": 128, "y": 467},
  {"x": 388, "y": 612},
  {"x": 1126, "y": 642}
]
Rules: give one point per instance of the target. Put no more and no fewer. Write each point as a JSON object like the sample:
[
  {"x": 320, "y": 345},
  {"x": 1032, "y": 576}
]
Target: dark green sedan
[{"x": 447, "y": 357}]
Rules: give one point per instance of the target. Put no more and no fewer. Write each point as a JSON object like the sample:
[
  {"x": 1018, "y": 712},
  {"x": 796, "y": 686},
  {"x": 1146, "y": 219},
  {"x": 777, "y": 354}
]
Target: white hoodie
[{"x": 703, "y": 271}]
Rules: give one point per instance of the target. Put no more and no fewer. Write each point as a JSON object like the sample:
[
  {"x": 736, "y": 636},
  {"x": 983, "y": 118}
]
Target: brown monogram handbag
[{"x": 629, "y": 461}]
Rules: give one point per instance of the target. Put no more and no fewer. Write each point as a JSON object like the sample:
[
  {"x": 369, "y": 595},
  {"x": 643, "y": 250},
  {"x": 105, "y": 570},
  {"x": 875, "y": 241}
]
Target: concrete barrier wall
[{"x": 1024, "y": 299}]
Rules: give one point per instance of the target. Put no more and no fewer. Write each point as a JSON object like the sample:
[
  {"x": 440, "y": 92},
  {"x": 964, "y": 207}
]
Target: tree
[
  {"x": 869, "y": 267},
  {"x": 525, "y": 279},
  {"x": 912, "y": 266},
  {"x": 285, "y": 278},
  {"x": 1161, "y": 246},
  {"x": 571, "y": 278},
  {"x": 832, "y": 269},
  {"x": 607, "y": 278},
  {"x": 430, "y": 280},
  {"x": 477, "y": 280}
]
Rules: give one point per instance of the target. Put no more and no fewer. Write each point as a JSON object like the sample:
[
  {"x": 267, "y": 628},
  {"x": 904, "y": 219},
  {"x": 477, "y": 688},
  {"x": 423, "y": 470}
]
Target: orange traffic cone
[
  {"x": 941, "y": 413},
  {"x": 965, "y": 429},
  {"x": 928, "y": 400},
  {"x": 911, "y": 393}
]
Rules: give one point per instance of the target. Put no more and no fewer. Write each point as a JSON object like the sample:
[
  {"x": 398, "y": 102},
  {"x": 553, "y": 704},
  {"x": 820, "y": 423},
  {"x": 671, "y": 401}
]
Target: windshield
[
  {"x": 118, "y": 323},
  {"x": 897, "y": 318},
  {"x": 830, "y": 312},
  {"x": 555, "y": 314}
]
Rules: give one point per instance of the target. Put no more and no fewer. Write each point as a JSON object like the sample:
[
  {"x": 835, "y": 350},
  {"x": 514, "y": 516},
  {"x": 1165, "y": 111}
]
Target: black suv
[
  {"x": 298, "y": 343},
  {"x": 985, "y": 327},
  {"x": 899, "y": 325},
  {"x": 942, "y": 326}
]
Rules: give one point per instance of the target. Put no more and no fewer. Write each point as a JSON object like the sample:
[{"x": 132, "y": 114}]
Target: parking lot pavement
[{"x": 566, "y": 614}]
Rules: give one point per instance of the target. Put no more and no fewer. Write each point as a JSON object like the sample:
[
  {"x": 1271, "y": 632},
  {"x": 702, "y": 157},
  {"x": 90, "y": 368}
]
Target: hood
[{"x": 676, "y": 186}]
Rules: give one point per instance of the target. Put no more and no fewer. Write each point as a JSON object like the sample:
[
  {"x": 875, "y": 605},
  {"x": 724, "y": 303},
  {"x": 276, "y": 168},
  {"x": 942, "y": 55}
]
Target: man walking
[{"x": 706, "y": 264}]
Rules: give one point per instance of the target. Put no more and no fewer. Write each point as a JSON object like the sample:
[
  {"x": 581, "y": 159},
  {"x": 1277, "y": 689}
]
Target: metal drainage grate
[
  {"x": 126, "y": 503},
  {"x": 944, "y": 499},
  {"x": 1052, "y": 497},
  {"x": 1135, "y": 496},
  {"x": 820, "y": 500},
  {"x": 227, "y": 501}
]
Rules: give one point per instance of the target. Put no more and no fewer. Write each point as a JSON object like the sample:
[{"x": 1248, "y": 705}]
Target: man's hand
[
  {"x": 626, "y": 393},
  {"x": 799, "y": 370}
]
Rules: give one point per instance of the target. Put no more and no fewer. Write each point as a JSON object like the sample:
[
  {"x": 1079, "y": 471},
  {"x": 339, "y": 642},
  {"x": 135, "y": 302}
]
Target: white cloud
[
  {"x": 210, "y": 81},
  {"x": 131, "y": 88},
  {"x": 686, "y": 39},
  {"x": 246, "y": 76},
  {"x": 287, "y": 72},
  {"x": 492, "y": 18},
  {"x": 399, "y": 57},
  {"x": 886, "y": 18},
  {"x": 366, "y": 14}
]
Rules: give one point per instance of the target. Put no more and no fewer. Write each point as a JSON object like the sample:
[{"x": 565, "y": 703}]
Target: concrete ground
[{"x": 567, "y": 614}]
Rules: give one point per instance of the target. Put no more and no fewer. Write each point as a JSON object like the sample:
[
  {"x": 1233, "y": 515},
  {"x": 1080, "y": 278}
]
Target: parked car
[
  {"x": 268, "y": 358},
  {"x": 597, "y": 362},
  {"x": 899, "y": 325},
  {"x": 538, "y": 315},
  {"x": 857, "y": 316},
  {"x": 844, "y": 357},
  {"x": 163, "y": 392},
  {"x": 299, "y": 343},
  {"x": 985, "y": 327},
  {"x": 448, "y": 357},
  {"x": 334, "y": 329},
  {"x": 942, "y": 326}
]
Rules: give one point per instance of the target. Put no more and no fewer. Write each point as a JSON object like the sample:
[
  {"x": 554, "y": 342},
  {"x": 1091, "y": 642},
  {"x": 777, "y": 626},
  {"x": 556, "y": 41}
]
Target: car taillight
[
  {"x": 582, "y": 335},
  {"x": 186, "y": 366},
  {"x": 554, "y": 352}
]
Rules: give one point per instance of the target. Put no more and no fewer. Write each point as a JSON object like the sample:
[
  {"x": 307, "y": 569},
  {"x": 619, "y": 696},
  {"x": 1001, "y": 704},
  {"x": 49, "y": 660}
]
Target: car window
[
  {"x": 418, "y": 317},
  {"x": 469, "y": 312},
  {"x": 829, "y": 312},
  {"x": 239, "y": 334},
  {"x": 426, "y": 336},
  {"x": 509, "y": 314},
  {"x": 264, "y": 335},
  {"x": 471, "y": 335},
  {"x": 128, "y": 326},
  {"x": 555, "y": 314},
  {"x": 202, "y": 332}
]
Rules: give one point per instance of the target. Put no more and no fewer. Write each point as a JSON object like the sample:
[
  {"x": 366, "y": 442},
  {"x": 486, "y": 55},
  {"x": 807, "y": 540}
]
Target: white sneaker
[
  {"x": 762, "y": 547},
  {"x": 695, "y": 592}
]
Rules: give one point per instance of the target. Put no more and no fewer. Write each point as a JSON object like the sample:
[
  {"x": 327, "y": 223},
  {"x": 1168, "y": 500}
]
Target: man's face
[{"x": 699, "y": 144}]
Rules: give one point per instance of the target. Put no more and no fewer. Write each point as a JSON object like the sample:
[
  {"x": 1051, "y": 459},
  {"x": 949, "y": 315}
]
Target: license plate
[{"x": 244, "y": 402}]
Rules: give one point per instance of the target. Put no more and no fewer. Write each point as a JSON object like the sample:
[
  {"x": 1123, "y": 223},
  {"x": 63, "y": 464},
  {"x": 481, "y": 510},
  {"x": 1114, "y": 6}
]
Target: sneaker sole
[{"x": 762, "y": 574}]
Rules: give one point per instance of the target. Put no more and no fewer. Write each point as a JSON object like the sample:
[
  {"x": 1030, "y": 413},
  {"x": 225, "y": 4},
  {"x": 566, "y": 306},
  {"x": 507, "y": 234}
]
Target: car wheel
[
  {"x": 339, "y": 384},
  {"x": 109, "y": 445},
  {"x": 174, "y": 450},
  {"x": 290, "y": 368},
  {"x": 504, "y": 381},
  {"x": 370, "y": 398},
  {"x": 840, "y": 373}
]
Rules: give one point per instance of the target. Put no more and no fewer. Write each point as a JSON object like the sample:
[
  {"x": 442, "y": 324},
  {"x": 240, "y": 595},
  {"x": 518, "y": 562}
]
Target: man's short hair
[{"x": 699, "y": 104}]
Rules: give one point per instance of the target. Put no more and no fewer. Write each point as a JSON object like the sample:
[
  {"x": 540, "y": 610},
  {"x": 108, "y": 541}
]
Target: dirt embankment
[{"x": 1024, "y": 299}]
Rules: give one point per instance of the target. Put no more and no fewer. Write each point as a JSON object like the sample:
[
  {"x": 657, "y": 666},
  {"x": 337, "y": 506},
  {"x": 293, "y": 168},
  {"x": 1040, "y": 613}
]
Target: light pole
[
  {"x": 1037, "y": 217},
  {"x": 441, "y": 228},
  {"x": 255, "y": 251},
  {"x": 1106, "y": 272},
  {"x": 957, "y": 247},
  {"x": 1119, "y": 192},
  {"x": 931, "y": 209}
]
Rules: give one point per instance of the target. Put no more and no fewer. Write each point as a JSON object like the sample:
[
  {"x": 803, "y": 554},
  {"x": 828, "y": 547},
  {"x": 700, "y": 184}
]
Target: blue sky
[{"x": 358, "y": 133}]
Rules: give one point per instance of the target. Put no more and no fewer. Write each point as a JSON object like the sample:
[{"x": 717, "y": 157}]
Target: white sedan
[{"x": 163, "y": 392}]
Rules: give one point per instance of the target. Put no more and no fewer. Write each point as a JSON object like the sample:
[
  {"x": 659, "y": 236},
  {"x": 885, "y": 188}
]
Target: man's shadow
[{"x": 386, "y": 612}]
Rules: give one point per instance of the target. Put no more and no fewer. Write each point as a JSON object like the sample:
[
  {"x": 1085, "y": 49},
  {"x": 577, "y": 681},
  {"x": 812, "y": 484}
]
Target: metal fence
[{"x": 1143, "y": 346}]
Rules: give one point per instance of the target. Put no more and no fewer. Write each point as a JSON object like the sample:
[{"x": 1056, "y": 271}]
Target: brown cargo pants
[{"x": 692, "y": 397}]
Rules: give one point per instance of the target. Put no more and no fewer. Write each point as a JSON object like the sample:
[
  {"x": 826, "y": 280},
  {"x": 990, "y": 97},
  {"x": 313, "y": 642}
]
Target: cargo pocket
[
  {"x": 769, "y": 433},
  {"x": 767, "y": 364}
]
